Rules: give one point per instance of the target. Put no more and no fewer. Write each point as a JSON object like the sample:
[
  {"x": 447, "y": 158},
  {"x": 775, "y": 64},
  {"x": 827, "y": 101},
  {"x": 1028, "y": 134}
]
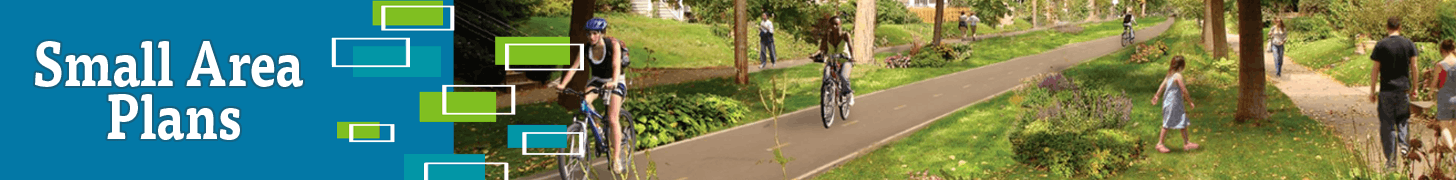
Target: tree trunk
[
  {"x": 1251, "y": 63},
  {"x": 740, "y": 40},
  {"x": 1207, "y": 37},
  {"x": 1220, "y": 33},
  {"x": 939, "y": 18},
  {"x": 581, "y": 11},
  {"x": 1034, "y": 12},
  {"x": 864, "y": 31}
]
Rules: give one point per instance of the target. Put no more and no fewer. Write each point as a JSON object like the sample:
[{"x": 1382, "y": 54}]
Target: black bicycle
[
  {"x": 832, "y": 96},
  {"x": 575, "y": 167}
]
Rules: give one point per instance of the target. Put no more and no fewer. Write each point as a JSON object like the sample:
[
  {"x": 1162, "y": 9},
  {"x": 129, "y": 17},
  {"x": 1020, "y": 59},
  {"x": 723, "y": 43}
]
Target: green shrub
[
  {"x": 614, "y": 6},
  {"x": 1077, "y": 132},
  {"x": 1309, "y": 29},
  {"x": 935, "y": 56},
  {"x": 893, "y": 12},
  {"x": 552, "y": 8},
  {"x": 669, "y": 117},
  {"x": 1447, "y": 20}
]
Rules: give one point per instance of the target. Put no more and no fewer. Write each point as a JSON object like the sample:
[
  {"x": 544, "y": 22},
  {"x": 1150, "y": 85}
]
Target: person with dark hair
[
  {"x": 1276, "y": 41},
  {"x": 767, "y": 53},
  {"x": 963, "y": 23},
  {"x": 1175, "y": 95},
  {"x": 1445, "y": 95},
  {"x": 1394, "y": 57},
  {"x": 834, "y": 46}
]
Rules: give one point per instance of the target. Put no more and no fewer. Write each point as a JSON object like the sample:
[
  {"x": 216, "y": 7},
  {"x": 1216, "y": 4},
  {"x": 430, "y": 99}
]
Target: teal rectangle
[
  {"x": 424, "y": 61},
  {"x": 414, "y": 166},
  {"x": 514, "y": 134},
  {"x": 534, "y": 55}
]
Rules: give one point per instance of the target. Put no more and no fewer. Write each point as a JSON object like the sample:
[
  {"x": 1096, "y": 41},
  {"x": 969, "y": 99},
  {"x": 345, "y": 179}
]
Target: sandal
[
  {"x": 1163, "y": 149},
  {"x": 1190, "y": 146}
]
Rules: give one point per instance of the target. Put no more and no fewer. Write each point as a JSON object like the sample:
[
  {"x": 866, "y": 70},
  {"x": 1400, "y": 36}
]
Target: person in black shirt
[{"x": 1394, "y": 57}]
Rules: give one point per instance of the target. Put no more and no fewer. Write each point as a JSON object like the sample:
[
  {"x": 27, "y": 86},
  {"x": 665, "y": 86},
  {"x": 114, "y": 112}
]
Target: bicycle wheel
[
  {"x": 827, "y": 102},
  {"x": 844, "y": 106},
  {"x": 574, "y": 167},
  {"x": 629, "y": 141}
]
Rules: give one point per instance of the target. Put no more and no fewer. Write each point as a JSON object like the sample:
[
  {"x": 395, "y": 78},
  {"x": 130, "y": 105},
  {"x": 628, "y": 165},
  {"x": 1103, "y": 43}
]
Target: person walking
[
  {"x": 963, "y": 22},
  {"x": 1276, "y": 41},
  {"x": 767, "y": 53},
  {"x": 1394, "y": 57},
  {"x": 974, "y": 20}
]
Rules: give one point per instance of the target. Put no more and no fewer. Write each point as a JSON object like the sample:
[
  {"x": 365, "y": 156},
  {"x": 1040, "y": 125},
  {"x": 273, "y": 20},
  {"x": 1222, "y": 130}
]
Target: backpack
[
  {"x": 625, "y": 51},
  {"x": 1127, "y": 18}
]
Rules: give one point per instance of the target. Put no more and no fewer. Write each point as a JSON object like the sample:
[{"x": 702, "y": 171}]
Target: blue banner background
[{"x": 288, "y": 133}]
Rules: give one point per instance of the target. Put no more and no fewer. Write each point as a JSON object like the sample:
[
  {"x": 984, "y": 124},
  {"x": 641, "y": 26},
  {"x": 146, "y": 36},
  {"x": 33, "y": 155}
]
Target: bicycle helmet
[{"x": 596, "y": 24}]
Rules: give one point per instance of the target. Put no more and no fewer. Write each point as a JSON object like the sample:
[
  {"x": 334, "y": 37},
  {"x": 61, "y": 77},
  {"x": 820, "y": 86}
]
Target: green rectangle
[
  {"x": 459, "y": 102},
  {"x": 534, "y": 55},
  {"x": 360, "y": 132},
  {"x": 411, "y": 16}
]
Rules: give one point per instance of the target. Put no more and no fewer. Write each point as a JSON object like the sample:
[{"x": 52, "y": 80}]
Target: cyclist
[
  {"x": 834, "y": 46},
  {"x": 1127, "y": 22},
  {"x": 606, "y": 59}
]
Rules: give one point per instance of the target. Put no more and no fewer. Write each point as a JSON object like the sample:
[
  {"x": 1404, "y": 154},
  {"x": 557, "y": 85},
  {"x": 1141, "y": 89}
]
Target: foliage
[
  {"x": 1226, "y": 65},
  {"x": 1447, "y": 20},
  {"x": 934, "y": 56},
  {"x": 614, "y": 6},
  {"x": 1147, "y": 53},
  {"x": 552, "y": 8},
  {"x": 1077, "y": 132},
  {"x": 987, "y": 10},
  {"x": 893, "y": 12},
  {"x": 668, "y": 117},
  {"x": 1418, "y": 22},
  {"x": 1309, "y": 28}
]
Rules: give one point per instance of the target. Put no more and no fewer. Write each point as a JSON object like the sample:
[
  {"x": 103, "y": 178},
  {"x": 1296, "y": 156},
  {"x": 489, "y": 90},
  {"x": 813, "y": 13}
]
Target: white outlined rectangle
[
  {"x": 335, "y": 52},
  {"x": 581, "y": 50},
  {"x": 507, "y": 167},
  {"x": 385, "y": 27},
  {"x": 391, "y": 132},
  {"x": 580, "y": 140},
  {"x": 444, "y": 100}
]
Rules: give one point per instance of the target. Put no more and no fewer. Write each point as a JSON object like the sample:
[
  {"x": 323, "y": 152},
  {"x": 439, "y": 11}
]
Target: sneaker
[
  {"x": 851, "y": 100},
  {"x": 1190, "y": 146},
  {"x": 618, "y": 167},
  {"x": 1162, "y": 149}
]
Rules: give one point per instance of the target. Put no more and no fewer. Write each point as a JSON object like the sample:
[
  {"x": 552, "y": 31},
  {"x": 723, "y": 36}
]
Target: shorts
[
  {"x": 963, "y": 24},
  {"x": 599, "y": 83}
]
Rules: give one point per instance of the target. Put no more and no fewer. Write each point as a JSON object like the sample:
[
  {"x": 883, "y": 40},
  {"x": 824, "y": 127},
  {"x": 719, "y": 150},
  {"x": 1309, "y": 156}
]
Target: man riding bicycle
[
  {"x": 606, "y": 57},
  {"x": 834, "y": 46}
]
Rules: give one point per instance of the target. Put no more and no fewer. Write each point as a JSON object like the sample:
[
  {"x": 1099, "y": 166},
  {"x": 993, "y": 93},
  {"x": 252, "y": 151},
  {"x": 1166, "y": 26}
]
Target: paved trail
[
  {"x": 1347, "y": 110},
  {"x": 745, "y": 152}
]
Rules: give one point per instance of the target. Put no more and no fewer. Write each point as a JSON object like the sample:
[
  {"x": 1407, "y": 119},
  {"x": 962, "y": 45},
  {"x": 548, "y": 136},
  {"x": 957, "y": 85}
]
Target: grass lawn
[
  {"x": 672, "y": 44},
  {"x": 972, "y": 142},
  {"x": 485, "y": 138},
  {"x": 1328, "y": 56},
  {"x": 900, "y": 34}
]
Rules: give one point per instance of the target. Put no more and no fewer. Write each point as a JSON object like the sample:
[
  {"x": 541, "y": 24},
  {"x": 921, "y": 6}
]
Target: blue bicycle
[{"x": 579, "y": 167}]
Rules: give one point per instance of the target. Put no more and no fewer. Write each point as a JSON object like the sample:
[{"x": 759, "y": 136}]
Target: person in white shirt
[
  {"x": 767, "y": 53},
  {"x": 974, "y": 20}
]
